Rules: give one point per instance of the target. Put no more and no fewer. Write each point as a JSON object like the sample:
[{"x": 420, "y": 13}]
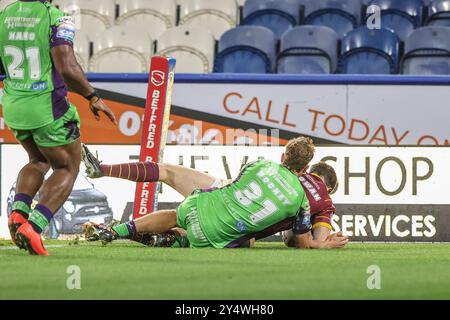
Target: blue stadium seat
[
  {"x": 400, "y": 16},
  {"x": 439, "y": 13},
  {"x": 427, "y": 51},
  {"x": 246, "y": 49},
  {"x": 365, "y": 51},
  {"x": 308, "y": 50},
  {"x": 340, "y": 15},
  {"x": 278, "y": 16}
]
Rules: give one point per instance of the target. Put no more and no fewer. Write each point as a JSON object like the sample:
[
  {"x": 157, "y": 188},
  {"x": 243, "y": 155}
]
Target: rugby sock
[
  {"x": 137, "y": 171},
  {"x": 125, "y": 230},
  {"x": 22, "y": 204},
  {"x": 144, "y": 238},
  {"x": 40, "y": 218}
]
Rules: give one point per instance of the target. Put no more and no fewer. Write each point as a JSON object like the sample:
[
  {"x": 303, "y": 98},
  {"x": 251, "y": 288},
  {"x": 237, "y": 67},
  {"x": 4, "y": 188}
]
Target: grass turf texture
[{"x": 269, "y": 271}]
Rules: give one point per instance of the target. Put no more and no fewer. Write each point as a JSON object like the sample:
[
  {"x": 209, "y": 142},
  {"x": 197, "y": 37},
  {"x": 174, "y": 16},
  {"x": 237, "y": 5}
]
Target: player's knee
[
  {"x": 38, "y": 160},
  {"x": 75, "y": 170},
  {"x": 43, "y": 167},
  {"x": 66, "y": 163},
  {"x": 288, "y": 238},
  {"x": 165, "y": 173},
  {"x": 40, "y": 164}
]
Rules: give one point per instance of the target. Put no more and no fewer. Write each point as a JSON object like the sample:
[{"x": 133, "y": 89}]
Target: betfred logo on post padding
[
  {"x": 158, "y": 78},
  {"x": 157, "y": 111}
]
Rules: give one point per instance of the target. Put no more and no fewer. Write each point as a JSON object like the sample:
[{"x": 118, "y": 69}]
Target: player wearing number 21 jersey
[
  {"x": 264, "y": 198},
  {"x": 35, "y": 94},
  {"x": 37, "y": 57}
]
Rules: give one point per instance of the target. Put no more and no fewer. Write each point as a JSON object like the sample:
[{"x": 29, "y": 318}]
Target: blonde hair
[{"x": 299, "y": 152}]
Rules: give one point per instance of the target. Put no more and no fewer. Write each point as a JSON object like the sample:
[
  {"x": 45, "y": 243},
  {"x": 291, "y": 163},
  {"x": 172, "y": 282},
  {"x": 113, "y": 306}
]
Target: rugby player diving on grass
[{"x": 266, "y": 198}]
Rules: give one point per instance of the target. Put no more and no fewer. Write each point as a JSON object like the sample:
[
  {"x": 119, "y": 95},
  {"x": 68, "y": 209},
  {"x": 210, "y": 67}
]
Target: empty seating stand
[
  {"x": 278, "y": 16},
  {"x": 246, "y": 49},
  {"x": 215, "y": 16},
  {"x": 5, "y": 3},
  {"x": 340, "y": 15},
  {"x": 365, "y": 51},
  {"x": 439, "y": 13},
  {"x": 427, "y": 52},
  {"x": 94, "y": 16},
  {"x": 308, "y": 50},
  {"x": 400, "y": 16},
  {"x": 192, "y": 47},
  {"x": 81, "y": 47},
  {"x": 153, "y": 16},
  {"x": 121, "y": 49}
]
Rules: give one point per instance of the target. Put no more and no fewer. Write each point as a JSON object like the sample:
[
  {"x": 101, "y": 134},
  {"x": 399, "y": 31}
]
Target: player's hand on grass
[
  {"x": 97, "y": 105},
  {"x": 337, "y": 240}
]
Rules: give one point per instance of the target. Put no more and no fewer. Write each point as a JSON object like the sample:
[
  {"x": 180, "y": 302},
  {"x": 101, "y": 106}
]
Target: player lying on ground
[
  {"x": 36, "y": 51},
  {"x": 265, "y": 197},
  {"x": 318, "y": 183}
]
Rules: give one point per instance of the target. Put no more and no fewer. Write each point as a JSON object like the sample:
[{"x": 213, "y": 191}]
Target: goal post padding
[{"x": 154, "y": 130}]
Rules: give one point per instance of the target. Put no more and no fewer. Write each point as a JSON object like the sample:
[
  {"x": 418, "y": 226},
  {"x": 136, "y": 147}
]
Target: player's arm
[
  {"x": 321, "y": 233},
  {"x": 66, "y": 64},
  {"x": 2, "y": 69},
  {"x": 334, "y": 241},
  {"x": 321, "y": 224},
  {"x": 304, "y": 239},
  {"x": 318, "y": 233}
]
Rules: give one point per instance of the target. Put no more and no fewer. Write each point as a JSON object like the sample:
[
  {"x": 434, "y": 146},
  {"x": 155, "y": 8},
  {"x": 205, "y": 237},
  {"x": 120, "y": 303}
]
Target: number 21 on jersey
[
  {"x": 251, "y": 195},
  {"x": 15, "y": 68}
]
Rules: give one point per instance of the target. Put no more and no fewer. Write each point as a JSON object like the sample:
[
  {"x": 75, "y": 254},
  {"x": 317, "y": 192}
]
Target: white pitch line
[{"x": 48, "y": 246}]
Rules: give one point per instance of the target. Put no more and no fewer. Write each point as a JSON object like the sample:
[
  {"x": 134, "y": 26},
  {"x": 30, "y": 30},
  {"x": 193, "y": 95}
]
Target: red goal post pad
[{"x": 154, "y": 130}]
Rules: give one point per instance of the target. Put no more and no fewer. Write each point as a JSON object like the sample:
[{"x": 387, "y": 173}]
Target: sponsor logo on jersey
[
  {"x": 21, "y": 22},
  {"x": 240, "y": 225},
  {"x": 23, "y": 9},
  {"x": 306, "y": 220},
  {"x": 66, "y": 28},
  {"x": 65, "y": 34},
  {"x": 39, "y": 86},
  {"x": 66, "y": 19}
]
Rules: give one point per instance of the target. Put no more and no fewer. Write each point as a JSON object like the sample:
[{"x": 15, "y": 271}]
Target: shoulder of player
[
  {"x": 316, "y": 192},
  {"x": 57, "y": 16},
  {"x": 314, "y": 180}
]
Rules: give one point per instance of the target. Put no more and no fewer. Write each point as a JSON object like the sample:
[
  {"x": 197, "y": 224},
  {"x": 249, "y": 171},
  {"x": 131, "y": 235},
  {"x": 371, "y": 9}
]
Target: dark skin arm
[
  {"x": 67, "y": 66},
  {"x": 2, "y": 69}
]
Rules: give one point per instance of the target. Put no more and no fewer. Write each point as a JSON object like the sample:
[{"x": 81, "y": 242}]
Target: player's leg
[
  {"x": 182, "y": 179},
  {"x": 154, "y": 223},
  {"x": 185, "y": 180},
  {"x": 185, "y": 223},
  {"x": 65, "y": 162},
  {"x": 159, "y": 222},
  {"x": 174, "y": 238},
  {"x": 29, "y": 181},
  {"x": 59, "y": 143}
]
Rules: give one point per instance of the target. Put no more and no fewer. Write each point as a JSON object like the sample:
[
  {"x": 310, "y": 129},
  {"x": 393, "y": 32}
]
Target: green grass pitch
[{"x": 128, "y": 271}]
